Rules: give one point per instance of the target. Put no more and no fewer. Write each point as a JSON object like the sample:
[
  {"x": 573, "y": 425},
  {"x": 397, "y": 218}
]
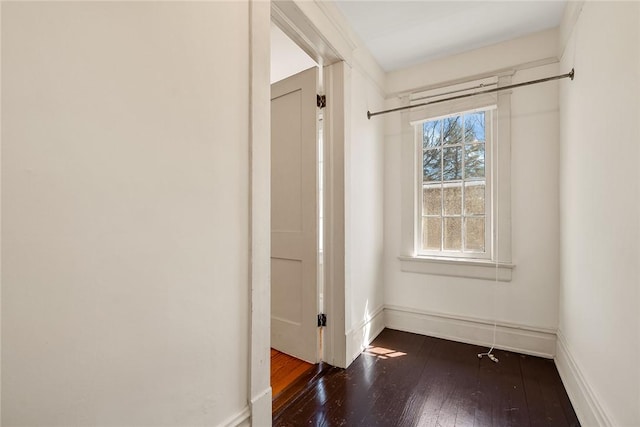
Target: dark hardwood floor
[{"x": 405, "y": 379}]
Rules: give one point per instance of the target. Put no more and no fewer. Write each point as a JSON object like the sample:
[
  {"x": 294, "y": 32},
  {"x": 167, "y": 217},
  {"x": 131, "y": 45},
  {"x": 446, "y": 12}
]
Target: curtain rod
[{"x": 570, "y": 75}]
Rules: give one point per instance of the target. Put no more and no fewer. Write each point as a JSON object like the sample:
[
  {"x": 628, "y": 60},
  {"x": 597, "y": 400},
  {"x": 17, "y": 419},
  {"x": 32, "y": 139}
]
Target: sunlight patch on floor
[{"x": 383, "y": 353}]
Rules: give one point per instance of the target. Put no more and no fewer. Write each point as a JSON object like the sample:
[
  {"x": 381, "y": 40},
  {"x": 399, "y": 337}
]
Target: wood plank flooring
[
  {"x": 285, "y": 370},
  {"x": 405, "y": 379}
]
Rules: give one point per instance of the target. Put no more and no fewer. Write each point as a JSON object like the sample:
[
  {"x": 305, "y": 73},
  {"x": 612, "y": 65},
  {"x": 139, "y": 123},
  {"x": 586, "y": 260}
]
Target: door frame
[
  {"x": 313, "y": 28},
  {"x": 302, "y": 22}
]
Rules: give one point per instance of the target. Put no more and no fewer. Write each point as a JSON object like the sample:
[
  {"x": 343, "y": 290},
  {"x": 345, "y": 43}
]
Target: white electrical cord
[
  {"x": 493, "y": 344},
  {"x": 489, "y": 353},
  {"x": 496, "y": 181}
]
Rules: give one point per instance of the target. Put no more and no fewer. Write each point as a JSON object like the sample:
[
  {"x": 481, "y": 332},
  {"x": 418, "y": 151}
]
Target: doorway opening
[{"x": 296, "y": 208}]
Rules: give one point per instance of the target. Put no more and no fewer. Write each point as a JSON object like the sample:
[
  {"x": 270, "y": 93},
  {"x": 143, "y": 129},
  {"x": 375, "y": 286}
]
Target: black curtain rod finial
[
  {"x": 572, "y": 74},
  {"x": 368, "y": 115}
]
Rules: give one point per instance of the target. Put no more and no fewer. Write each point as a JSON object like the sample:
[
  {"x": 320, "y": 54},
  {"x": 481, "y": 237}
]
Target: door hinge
[
  {"x": 321, "y": 101},
  {"x": 322, "y": 320}
]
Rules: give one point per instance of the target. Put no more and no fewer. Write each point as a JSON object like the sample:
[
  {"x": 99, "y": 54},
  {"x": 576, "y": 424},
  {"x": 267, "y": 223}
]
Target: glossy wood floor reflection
[{"x": 405, "y": 379}]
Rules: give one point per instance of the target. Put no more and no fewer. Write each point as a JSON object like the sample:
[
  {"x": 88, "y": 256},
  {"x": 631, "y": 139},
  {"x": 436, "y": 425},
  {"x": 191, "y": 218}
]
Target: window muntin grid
[{"x": 454, "y": 185}]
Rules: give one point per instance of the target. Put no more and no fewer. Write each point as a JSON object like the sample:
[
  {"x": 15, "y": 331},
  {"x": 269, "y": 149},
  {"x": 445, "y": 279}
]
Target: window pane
[
  {"x": 452, "y": 130},
  {"x": 452, "y": 163},
  {"x": 431, "y": 133},
  {"x": 474, "y": 234},
  {"x": 431, "y": 165},
  {"x": 453, "y": 234},
  {"x": 431, "y": 233},
  {"x": 474, "y": 127},
  {"x": 453, "y": 200},
  {"x": 474, "y": 198},
  {"x": 431, "y": 200},
  {"x": 474, "y": 161}
]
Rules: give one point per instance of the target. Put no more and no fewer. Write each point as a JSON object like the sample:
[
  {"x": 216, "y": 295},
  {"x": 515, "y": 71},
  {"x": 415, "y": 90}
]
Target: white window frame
[
  {"x": 496, "y": 262},
  {"x": 490, "y": 125}
]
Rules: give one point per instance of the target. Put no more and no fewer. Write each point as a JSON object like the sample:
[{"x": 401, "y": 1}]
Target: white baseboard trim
[
  {"x": 361, "y": 336},
  {"x": 241, "y": 418},
  {"x": 513, "y": 337},
  {"x": 261, "y": 408},
  {"x": 582, "y": 396}
]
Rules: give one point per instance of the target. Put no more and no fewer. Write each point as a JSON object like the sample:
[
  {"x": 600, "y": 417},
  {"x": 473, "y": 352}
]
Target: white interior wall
[
  {"x": 364, "y": 214},
  {"x": 125, "y": 213},
  {"x": 599, "y": 327},
  {"x": 448, "y": 306}
]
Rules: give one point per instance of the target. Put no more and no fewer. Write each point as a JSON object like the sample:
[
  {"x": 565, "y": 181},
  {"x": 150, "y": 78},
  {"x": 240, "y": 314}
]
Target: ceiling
[{"x": 400, "y": 34}]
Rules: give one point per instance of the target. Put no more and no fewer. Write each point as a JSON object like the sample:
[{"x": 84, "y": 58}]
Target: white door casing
[{"x": 294, "y": 216}]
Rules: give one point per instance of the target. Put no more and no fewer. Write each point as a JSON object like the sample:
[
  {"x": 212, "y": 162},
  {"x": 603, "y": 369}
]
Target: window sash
[{"x": 490, "y": 123}]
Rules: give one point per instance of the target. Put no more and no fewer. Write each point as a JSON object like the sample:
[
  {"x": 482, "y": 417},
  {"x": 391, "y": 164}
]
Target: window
[{"x": 454, "y": 185}]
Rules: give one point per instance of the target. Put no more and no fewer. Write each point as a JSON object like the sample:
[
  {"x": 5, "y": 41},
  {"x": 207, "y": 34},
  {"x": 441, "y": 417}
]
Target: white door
[{"x": 294, "y": 216}]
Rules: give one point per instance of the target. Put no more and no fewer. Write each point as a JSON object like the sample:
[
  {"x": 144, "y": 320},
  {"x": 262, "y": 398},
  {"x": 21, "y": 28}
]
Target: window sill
[{"x": 456, "y": 267}]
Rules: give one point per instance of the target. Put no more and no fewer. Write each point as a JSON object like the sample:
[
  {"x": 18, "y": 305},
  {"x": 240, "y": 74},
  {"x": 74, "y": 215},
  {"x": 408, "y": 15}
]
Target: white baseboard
[
  {"x": 582, "y": 397},
  {"x": 261, "y": 408},
  {"x": 241, "y": 418},
  {"x": 519, "y": 338},
  {"x": 361, "y": 336}
]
